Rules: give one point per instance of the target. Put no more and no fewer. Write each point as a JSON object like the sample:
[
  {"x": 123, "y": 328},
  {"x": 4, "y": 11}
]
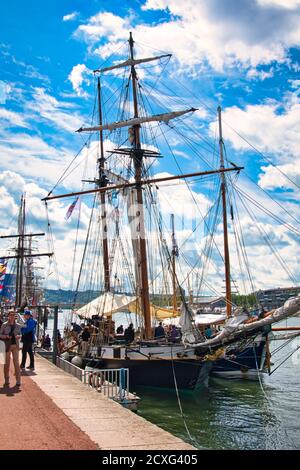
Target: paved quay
[
  {"x": 30, "y": 420},
  {"x": 74, "y": 416}
]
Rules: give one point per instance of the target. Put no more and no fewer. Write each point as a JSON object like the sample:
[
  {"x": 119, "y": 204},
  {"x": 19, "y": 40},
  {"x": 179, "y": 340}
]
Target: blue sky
[{"x": 241, "y": 54}]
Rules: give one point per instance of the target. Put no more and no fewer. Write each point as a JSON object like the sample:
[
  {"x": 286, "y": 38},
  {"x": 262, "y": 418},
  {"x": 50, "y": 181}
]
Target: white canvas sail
[
  {"x": 165, "y": 117},
  {"x": 106, "y": 304},
  {"x": 131, "y": 62},
  {"x": 187, "y": 328}
]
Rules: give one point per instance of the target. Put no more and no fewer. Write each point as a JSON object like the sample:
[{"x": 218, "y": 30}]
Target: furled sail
[
  {"x": 130, "y": 62},
  {"x": 187, "y": 328},
  {"x": 234, "y": 329},
  {"x": 114, "y": 177},
  {"x": 109, "y": 303},
  {"x": 106, "y": 304},
  {"x": 165, "y": 117}
]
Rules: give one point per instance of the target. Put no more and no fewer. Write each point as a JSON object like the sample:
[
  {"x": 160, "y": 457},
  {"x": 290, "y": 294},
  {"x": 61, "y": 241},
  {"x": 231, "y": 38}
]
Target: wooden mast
[
  {"x": 225, "y": 228},
  {"x": 20, "y": 253},
  {"x": 102, "y": 183},
  {"x": 138, "y": 165},
  {"x": 174, "y": 254},
  {"x": 29, "y": 285},
  {"x": 17, "y": 301}
]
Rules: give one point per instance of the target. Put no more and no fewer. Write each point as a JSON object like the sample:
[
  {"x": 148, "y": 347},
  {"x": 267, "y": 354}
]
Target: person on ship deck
[
  {"x": 129, "y": 334},
  {"x": 159, "y": 332}
]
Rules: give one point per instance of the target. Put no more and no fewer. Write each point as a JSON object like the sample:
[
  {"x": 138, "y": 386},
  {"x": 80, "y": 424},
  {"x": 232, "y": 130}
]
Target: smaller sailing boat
[{"x": 188, "y": 362}]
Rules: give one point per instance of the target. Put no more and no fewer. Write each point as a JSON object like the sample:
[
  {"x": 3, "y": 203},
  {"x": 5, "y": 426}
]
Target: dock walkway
[{"x": 54, "y": 410}]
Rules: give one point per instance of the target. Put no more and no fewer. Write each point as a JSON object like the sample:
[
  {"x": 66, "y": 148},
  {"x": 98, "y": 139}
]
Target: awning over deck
[{"x": 109, "y": 303}]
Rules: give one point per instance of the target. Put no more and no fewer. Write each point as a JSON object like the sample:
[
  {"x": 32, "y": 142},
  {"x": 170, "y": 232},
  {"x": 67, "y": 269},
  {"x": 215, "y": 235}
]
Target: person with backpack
[
  {"x": 28, "y": 338},
  {"x": 10, "y": 333}
]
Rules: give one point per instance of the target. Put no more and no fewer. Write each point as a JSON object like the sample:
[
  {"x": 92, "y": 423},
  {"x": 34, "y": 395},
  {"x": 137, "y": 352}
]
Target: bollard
[
  {"x": 54, "y": 353},
  {"x": 122, "y": 384}
]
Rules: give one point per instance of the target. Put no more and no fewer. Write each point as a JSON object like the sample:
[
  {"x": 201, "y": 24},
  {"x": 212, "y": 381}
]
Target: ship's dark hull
[
  {"x": 190, "y": 374},
  {"x": 241, "y": 363}
]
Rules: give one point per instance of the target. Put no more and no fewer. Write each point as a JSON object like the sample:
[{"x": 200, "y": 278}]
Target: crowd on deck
[
  {"x": 86, "y": 335},
  {"x": 170, "y": 333}
]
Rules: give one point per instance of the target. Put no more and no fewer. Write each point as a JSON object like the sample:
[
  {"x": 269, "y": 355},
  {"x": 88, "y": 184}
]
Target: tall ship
[
  {"x": 20, "y": 284},
  {"x": 131, "y": 262}
]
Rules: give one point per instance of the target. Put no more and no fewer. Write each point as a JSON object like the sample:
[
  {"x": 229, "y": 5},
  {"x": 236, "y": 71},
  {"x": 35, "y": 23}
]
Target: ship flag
[
  {"x": 71, "y": 208},
  {"x": 3, "y": 265}
]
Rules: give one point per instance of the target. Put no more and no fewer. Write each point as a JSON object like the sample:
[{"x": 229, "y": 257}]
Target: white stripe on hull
[{"x": 250, "y": 374}]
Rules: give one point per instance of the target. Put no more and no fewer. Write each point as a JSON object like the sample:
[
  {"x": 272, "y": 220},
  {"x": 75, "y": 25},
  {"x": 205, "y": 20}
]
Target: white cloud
[
  {"x": 290, "y": 4},
  {"x": 32, "y": 157},
  {"x": 274, "y": 129},
  {"x": 205, "y": 33},
  {"x": 267, "y": 126},
  {"x": 272, "y": 177},
  {"x": 254, "y": 73},
  {"x": 12, "y": 119},
  {"x": 182, "y": 202},
  {"x": 77, "y": 76},
  {"x": 104, "y": 25},
  {"x": 23, "y": 68},
  {"x": 71, "y": 16},
  {"x": 61, "y": 114},
  {"x": 5, "y": 89},
  {"x": 295, "y": 84}
]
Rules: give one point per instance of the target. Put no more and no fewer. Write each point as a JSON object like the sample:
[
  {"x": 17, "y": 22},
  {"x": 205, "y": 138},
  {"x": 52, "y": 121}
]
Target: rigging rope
[
  {"x": 192, "y": 439},
  {"x": 268, "y": 398},
  {"x": 212, "y": 110},
  {"x": 51, "y": 246}
]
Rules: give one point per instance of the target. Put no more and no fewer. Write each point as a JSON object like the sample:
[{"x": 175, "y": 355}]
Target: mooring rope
[{"x": 192, "y": 439}]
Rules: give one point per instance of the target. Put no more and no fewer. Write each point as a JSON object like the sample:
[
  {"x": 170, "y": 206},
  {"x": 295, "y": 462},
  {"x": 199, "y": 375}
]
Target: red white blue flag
[
  {"x": 3, "y": 265},
  {"x": 71, "y": 208}
]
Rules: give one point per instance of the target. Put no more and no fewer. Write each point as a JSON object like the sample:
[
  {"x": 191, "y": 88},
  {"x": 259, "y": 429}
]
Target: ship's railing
[
  {"x": 110, "y": 382},
  {"x": 70, "y": 368}
]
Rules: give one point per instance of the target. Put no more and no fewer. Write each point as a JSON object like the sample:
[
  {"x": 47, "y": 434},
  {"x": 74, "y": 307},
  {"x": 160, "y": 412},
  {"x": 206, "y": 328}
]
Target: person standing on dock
[
  {"x": 28, "y": 338},
  {"x": 10, "y": 332}
]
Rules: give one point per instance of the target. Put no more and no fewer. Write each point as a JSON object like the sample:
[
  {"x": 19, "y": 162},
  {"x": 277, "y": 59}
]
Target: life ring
[{"x": 96, "y": 380}]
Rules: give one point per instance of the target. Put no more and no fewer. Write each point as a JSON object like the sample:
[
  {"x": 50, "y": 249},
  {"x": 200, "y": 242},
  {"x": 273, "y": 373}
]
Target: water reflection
[{"x": 227, "y": 415}]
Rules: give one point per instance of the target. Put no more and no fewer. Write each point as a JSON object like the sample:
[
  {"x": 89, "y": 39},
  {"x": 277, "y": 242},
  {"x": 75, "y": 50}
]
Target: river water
[{"x": 234, "y": 414}]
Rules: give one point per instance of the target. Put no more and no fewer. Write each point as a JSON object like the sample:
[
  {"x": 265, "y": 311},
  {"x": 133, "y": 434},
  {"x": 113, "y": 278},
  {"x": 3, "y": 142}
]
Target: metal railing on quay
[
  {"x": 69, "y": 368},
  {"x": 110, "y": 382}
]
